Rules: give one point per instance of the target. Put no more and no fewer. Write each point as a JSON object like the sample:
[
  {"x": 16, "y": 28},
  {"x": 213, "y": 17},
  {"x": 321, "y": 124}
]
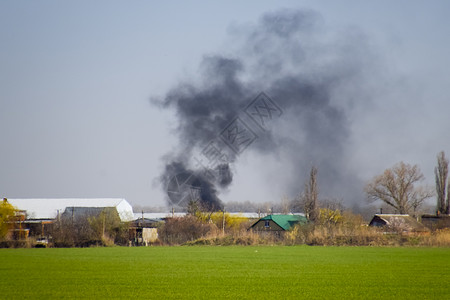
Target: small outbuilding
[
  {"x": 397, "y": 222},
  {"x": 144, "y": 231},
  {"x": 278, "y": 223},
  {"x": 436, "y": 222}
]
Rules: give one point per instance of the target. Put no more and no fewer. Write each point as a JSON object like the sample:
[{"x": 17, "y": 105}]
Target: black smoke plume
[
  {"x": 185, "y": 185},
  {"x": 315, "y": 76}
]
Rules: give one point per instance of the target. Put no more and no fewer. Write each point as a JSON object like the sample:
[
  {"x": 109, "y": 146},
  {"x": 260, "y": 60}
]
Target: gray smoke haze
[{"x": 316, "y": 77}]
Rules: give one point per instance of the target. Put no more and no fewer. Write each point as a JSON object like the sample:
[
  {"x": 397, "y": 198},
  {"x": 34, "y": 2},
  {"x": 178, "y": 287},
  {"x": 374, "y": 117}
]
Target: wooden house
[{"x": 278, "y": 223}]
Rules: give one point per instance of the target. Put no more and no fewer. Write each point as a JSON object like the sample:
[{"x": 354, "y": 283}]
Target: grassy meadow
[{"x": 203, "y": 272}]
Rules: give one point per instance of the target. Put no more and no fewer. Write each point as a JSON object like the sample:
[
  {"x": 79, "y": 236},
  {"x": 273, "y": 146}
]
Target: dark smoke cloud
[
  {"x": 316, "y": 77},
  {"x": 204, "y": 110},
  {"x": 193, "y": 179}
]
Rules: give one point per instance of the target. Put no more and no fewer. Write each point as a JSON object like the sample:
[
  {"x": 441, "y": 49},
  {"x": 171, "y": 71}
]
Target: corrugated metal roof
[
  {"x": 286, "y": 221},
  {"x": 48, "y": 208}
]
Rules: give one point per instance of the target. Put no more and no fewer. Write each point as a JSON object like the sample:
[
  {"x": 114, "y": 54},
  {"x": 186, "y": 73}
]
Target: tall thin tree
[
  {"x": 441, "y": 173},
  {"x": 448, "y": 197},
  {"x": 310, "y": 196}
]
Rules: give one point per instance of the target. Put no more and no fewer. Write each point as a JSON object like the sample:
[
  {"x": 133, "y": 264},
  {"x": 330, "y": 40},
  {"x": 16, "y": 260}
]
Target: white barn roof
[{"x": 44, "y": 208}]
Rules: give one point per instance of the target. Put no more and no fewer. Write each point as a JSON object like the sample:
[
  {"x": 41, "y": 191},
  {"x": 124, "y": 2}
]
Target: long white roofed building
[{"x": 50, "y": 208}]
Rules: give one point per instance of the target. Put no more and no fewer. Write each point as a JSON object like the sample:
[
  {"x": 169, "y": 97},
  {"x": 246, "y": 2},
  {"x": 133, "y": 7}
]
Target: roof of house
[
  {"x": 404, "y": 222},
  {"x": 285, "y": 221},
  {"x": 48, "y": 208},
  {"x": 145, "y": 222}
]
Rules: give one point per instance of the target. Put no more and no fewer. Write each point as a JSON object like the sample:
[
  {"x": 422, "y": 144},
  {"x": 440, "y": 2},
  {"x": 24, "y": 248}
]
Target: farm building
[
  {"x": 41, "y": 213},
  {"x": 278, "y": 222},
  {"x": 396, "y": 222},
  {"x": 435, "y": 222},
  {"x": 143, "y": 231}
]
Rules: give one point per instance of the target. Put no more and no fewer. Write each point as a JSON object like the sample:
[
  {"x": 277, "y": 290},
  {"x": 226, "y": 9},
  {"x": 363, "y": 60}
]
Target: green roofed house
[{"x": 278, "y": 222}]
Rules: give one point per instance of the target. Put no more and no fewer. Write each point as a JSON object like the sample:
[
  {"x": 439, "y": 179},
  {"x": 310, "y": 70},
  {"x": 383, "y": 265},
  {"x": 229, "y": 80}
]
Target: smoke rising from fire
[{"x": 316, "y": 76}]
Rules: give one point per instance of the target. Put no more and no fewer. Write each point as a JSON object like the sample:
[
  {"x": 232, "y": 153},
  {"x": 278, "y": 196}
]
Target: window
[{"x": 267, "y": 224}]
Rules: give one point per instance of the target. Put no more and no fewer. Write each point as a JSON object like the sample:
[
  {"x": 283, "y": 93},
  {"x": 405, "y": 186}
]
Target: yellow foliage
[
  {"x": 293, "y": 234},
  {"x": 7, "y": 213},
  {"x": 232, "y": 222},
  {"x": 330, "y": 217}
]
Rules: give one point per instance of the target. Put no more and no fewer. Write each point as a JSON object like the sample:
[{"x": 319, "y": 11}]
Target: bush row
[{"x": 348, "y": 231}]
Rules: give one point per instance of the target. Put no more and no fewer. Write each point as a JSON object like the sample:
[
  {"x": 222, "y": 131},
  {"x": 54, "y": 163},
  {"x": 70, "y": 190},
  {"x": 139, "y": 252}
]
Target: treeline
[{"x": 333, "y": 227}]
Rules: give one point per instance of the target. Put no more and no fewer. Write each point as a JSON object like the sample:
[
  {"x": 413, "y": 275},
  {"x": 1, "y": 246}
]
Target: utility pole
[
  {"x": 104, "y": 221},
  {"x": 223, "y": 222}
]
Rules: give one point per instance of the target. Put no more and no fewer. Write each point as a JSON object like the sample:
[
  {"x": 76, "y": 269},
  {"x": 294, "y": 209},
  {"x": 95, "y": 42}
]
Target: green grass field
[{"x": 277, "y": 272}]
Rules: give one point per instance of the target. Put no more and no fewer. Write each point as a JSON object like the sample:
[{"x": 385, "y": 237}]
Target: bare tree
[
  {"x": 448, "y": 197},
  {"x": 396, "y": 188},
  {"x": 310, "y": 195},
  {"x": 285, "y": 205},
  {"x": 441, "y": 173}
]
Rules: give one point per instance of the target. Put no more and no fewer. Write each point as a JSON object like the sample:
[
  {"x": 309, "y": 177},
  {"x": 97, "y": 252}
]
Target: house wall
[
  {"x": 149, "y": 235},
  {"x": 378, "y": 222},
  {"x": 436, "y": 222},
  {"x": 41, "y": 228},
  {"x": 142, "y": 236},
  {"x": 261, "y": 226}
]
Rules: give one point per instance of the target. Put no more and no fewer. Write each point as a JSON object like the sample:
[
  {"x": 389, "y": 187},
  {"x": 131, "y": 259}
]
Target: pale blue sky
[{"x": 76, "y": 78}]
